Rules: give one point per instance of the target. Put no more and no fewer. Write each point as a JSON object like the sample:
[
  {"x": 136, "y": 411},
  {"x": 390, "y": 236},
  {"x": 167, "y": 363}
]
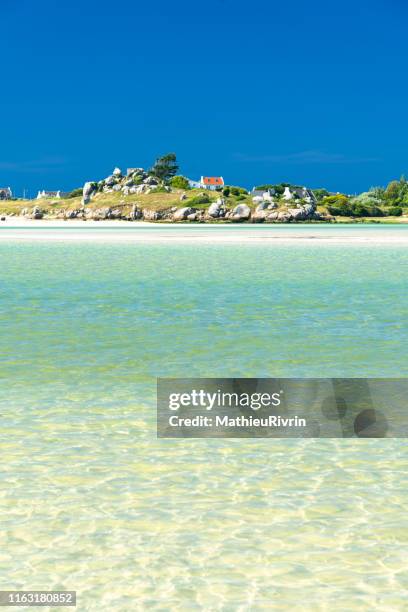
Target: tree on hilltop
[{"x": 165, "y": 167}]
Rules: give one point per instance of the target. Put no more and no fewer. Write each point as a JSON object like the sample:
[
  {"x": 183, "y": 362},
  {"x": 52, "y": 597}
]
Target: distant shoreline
[
  {"x": 142, "y": 232},
  {"x": 22, "y": 221}
]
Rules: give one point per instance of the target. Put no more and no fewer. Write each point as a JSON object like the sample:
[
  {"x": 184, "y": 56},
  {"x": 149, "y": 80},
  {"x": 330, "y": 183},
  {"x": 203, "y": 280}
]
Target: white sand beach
[{"x": 18, "y": 228}]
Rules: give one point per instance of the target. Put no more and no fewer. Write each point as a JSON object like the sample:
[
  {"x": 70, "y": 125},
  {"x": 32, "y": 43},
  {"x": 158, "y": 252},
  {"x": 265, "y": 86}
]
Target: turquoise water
[{"x": 90, "y": 500}]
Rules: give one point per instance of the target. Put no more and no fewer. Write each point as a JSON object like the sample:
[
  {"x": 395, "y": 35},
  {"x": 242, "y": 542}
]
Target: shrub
[
  {"x": 226, "y": 191},
  {"x": 335, "y": 200},
  {"x": 355, "y": 209},
  {"x": 377, "y": 193},
  {"x": 358, "y": 209},
  {"x": 279, "y": 189},
  {"x": 393, "y": 192},
  {"x": 180, "y": 182},
  {"x": 197, "y": 200},
  {"x": 369, "y": 211},
  {"x": 376, "y": 211},
  {"x": 340, "y": 211},
  {"x": 337, "y": 205},
  {"x": 395, "y": 211},
  {"x": 397, "y": 192},
  {"x": 235, "y": 191},
  {"x": 75, "y": 193},
  {"x": 367, "y": 198},
  {"x": 320, "y": 194},
  {"x": 264, "y": 187}
]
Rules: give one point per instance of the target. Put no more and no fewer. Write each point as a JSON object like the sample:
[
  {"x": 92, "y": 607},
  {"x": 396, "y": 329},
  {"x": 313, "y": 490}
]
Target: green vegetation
[
  {"x": 397, "y": 192},
  {"x": 377, "y": 202},
  {"x": 137, "y": 179},
  {"x": 180, "y": 182},
  {"x": 75, "y": 193},
  {"x": 265, "y": 187},
  {"x": 320, "y": 194},
  {"x": 235, "y": 191},
  {"x": 171, "y": 189},
  {"x": 198, "y": 200},
  {"x": 278, "y": 188},
  {"x": 165, "y": 168},
  {"x": 395, "y": 211},
  {"x": 343, "y": 207},
  {"x": 335, "y": 200}
]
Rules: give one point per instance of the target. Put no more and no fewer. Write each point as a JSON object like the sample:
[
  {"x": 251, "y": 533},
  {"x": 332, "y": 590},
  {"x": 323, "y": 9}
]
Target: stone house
[
  {"x": 299, "y": 193},
  {"x": 5, "y": 193},
  {"x": 262, "y": 195}
]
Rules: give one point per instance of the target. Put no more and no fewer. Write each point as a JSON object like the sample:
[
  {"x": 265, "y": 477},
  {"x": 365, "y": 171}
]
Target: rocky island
[{"x": 161, "y": 195}]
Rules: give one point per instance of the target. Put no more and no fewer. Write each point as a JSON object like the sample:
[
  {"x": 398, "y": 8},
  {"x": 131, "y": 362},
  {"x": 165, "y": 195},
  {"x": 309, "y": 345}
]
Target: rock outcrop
[
  {"x": 151, "y": 215},
  {"x": 217, "y": 209},
  {"x": 135, "y": 213},
  {"x": 299, "y": 207},
  {"x": 181, "y": 214},
  {"x": 136, "y": 181},
  {"x": 304, "y": 212},
  {"x": 242, "y": 212},
  {"x": 36, "y": 213},
  {"x": 76, "y": 213},
  {"x": 263, "y": 211},
  {"x": 88, "y": 191}
]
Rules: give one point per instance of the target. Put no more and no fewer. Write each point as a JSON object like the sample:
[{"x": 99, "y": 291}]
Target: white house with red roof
[{"x": 208, "y": 182}]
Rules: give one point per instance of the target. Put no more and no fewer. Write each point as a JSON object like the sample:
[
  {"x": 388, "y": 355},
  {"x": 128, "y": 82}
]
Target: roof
[
  {"x": 261, "y": 192},
  {"x": 5, "y": 189},
  {"x": 303, "y": 192},
  {"x": 212, "y": 180}
]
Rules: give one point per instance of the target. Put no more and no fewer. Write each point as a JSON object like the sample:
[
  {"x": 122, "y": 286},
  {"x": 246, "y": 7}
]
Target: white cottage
[
  {"x": 301, "y": 193},
  {"x": 45, "y": 195}
]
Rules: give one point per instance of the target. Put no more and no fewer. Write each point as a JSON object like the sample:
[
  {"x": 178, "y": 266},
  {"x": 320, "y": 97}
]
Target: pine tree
[{"x": 165, "y": 167}]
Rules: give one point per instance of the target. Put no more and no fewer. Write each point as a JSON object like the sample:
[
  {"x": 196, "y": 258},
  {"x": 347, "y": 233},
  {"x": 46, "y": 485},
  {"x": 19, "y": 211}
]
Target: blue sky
[{"x": 313, "y": 92}]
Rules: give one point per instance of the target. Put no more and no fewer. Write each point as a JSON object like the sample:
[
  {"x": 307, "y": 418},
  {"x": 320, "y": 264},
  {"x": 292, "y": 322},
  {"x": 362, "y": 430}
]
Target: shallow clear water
[{"x": 90, "y": 500}]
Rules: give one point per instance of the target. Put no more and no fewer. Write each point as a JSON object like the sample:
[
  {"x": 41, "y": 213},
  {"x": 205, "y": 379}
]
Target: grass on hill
[
  {"x": 155, "y": 200},
  {"x": 158, "y": 200}
]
